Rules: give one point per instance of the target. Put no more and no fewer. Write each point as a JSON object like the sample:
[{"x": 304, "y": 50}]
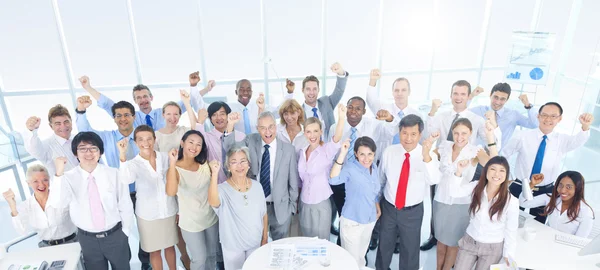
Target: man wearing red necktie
[{"x": 403, "y": 191}]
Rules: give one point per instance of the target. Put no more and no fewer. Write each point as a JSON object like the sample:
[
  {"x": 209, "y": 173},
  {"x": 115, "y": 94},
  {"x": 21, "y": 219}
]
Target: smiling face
[
  {"x": 498, "y": 99},
  {"x": 566, "y": 189},
  {"x": 171, "y": 115},
  {"x": 548, "y": 118},
  {"x": 244, "y": 92},
  {"x": 401, "y": 91},
  {"x": 219, "y": 119},
  {"x": 461, "y": 135},
  {"x": 143, "y": 99},
  {"x": 145, "y": 142},
  {"x": 88, "y": 154},
  {"x": 496, "y": 174},
  {"x": 410, "y": 137},
  {"x": 355, "y": 111},
  {"x": 62, "y": 126},
  {"x": 291, "y": 118},
  {"x": 39, "y": 182},
  {"x": 311, "y": 93},
  {"x": 238, "y": 164},
  {"x": 365, "y": 156},
  {"x": 267, "y": 129},
  {"x": 460, "y": 96},
  {"x": 191, "y": 146},
  {"x": 313, "y": 133},
  {"x": 124, "y": 119}
]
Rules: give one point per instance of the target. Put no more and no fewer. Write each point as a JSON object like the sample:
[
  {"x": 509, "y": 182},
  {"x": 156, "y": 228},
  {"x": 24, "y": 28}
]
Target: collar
[
  {"x": 95, "y": 173},
  {"x": 500, "y": 112},
  {"x": 272, "y": 145},
  {"x": 358, "y": 126},
  {"x": 539, "y": 134},
  {"x": 485, "y": 196},
  {"x": 216, "y": 132},
  {"x": 121, "y": 136},
  {"x": 413, "y": 152},
  {"x": 62, "y": 140},
  {"x": 306, "y": 105}
]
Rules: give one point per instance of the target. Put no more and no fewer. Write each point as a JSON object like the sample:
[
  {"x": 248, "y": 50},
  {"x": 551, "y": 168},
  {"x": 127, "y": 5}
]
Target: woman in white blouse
[
  {"x": 53, "y": 225},
  {"x": 566, "y": 208},
  {"x": 155, "y": 211},
  {"x": 290, "y": 128},
  {"x": 494, "y": 216},
  {"x": 450, "y": 214}
]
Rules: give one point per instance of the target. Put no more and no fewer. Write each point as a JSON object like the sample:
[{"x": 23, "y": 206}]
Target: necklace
[{"x": 240, "y": 190}]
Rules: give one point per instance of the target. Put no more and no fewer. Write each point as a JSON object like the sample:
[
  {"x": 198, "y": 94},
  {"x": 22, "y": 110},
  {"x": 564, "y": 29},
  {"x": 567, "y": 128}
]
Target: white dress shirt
[
  {"x": 272, "y": 158},
  {"x": 71, "y": 190},
  {"x": 309, "y": 113},
  {"x": 236, "y": 106},
  {"x": 299, "y": 142},
  {"x": 484, "y": 230},
  {"x": 49, "y": 149},
  {"x": 420, "y": 177},
  {"x": 50, "y": 223},
  {"x": 152, "y": 202},
  {"x": 442, "y": 123},
  {"x": 448, "y": 168},
  {"x": 375, "y": 105},
  {"x": 557, "y": 146},
  {"x": 379, "y": 130},
  {"x": 581, "y": 226}
]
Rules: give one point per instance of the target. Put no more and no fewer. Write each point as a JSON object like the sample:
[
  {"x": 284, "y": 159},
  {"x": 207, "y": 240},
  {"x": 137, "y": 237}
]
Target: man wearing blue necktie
[{"x": 541, "y": 150}]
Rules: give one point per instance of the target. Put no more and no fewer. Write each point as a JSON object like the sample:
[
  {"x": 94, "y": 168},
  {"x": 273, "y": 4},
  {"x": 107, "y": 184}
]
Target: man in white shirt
[
  {"x": 442, "y": 122},
  {"x": 99, "y": 204},
  {"x": 52, "y": 225},
  {"x": 403, "y": 191},
  {"x": 541, "y": 151},
  {"x": 57, "y": 145}
]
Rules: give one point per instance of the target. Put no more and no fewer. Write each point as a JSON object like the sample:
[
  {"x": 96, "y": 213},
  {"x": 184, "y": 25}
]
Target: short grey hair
[
  {"x": 35, "y": 169},
  {"x": 266, "y": 114},
  {"x": 232, "y": 151}
]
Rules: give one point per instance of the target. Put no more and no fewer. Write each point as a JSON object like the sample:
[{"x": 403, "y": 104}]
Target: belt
[
  {"x": 59, "y": 241},
  {"x": 410, "y": 207},
  {"x": 538, "y": 189},
  {"x": 270, "y": 203},
  {"x": 102, "y": 234}
]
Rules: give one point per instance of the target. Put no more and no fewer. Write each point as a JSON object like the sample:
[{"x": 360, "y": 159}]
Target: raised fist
[
  {"x": 337, "y": 68},
  {"x": 341, "y": 111},
  {"x": 210, "y": 85},
  {"x": 375, "y": 74},
  {"x": 122, "y": 145},
  {"x": 185, "y": 96},
  {"x": 59, "y": 164},
  {"x": 202, "y": 115},
  {"x": 290, "y": 85},
  {"x": 478, "y": 90},
  {"x": 384, "y": 115},
  {"x": 173, "y": 155},
  {"x": 523, "y": 98},
  {"x": 537, "y": 179},
  {"x": 9, "y": 196},
  {"x": 345, "y": 146},
  {"x": 215, "y": 166},
  {"x": 586, "y": 120},
  {"x": 462, "y": 165},
  {"x": 33, "y": 123},
  {"x": 436, "y": 103},
  {"x": 233, "y": 118},
  {"x": 83, "y": 102},
  {"x": 85, "y": 81},
  {"x": 194, "y": 78},
  {"x": 260, "y": 101}
]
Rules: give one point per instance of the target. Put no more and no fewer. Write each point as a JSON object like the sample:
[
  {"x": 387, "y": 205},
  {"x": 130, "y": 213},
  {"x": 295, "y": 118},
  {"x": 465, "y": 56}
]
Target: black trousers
[
  {"x": 142, "y": 255},
  {"x": 406, "y": 224},
  {"x": 339, "y": 198},
  {"x": 516, "y": 188},
  {"x": 100, "y": 251}
]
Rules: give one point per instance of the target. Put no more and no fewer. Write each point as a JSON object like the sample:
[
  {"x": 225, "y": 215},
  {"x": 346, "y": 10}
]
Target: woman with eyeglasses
[
  {"x": 314, "y": 165},
  {"x": 188, "y": 177},
  {"x": 241, "y": 206},
  {"x": 566, "y": 208}
]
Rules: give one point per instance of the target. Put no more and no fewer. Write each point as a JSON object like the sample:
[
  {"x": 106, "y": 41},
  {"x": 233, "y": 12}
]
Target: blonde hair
[
  {"x": 290, "y": 106},
  {"x": 171, "y": 103}
]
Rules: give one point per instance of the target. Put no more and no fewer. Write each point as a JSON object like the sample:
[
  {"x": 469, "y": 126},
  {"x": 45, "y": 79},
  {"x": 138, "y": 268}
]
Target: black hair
[
  {"x": 215, "y": 106},
  {"x": 365, "y": 141},
  {"x": 358, "y": 98},
  {"x": 560, "y": 109},
  {"x": 200, "y": 158},
  {"x": 87, "y": 137},
  {"x": 410, "y": 121},
  {"x": 122, "y": 105},
  {"x": 462, "y": 83},
  {"x": 501, "y": 87}
]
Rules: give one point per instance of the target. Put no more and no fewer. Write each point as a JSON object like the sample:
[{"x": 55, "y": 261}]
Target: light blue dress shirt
[
  {"x": 508, "y": 119},
  {"x": 110, "y": 139},
  {"x": 362, "y": 191}
]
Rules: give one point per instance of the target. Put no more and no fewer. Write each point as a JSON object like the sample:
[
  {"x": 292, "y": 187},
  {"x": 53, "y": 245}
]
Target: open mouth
[{"x": 41, "y": 189}]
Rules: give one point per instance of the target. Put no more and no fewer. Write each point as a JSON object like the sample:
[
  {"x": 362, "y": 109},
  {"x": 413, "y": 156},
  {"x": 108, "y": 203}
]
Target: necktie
[
  {"x": 396, "y": 139},
  {"x": 95, "y": 204},
  {"x": 403, "y": 182},
  {"x": 149, "y": 121},
  {"x": 352, "y": 141},
  {"x": 130, "y": 155},
  {"x": 400, "y": 115},
  {"x": 223, "y": 152},
  {"x": 315, "y": 115},
  {"x": 539, "y": 157},
  {"x": 247, "y": 129},
  {"x": 265, "y": 171},
  {"x": 450, "y": 137}
]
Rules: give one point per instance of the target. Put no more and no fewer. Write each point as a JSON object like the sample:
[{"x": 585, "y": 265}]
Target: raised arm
[
  {"x": 527, "y": 187},
  {"x": 213, "y": 189},
  {"x": 32, "y": 142},
  {"x": 172, "y": 175},
  {"x": 432, "y": 164},
  {"x": 457, "y": 189},
  {"x": 126, "y": 174},
  {"x": 102, "y": 100},
  {"x": 579, "y": 139},
  {"x": 390, "y": 127},
  {"x": 19, "y": 218},
  {"x": 334, "y": 176},
  {"x": 373, "y": 100},
  {"x": 81, "y": 120},
  {"x": 200, "y": 120},
  {"x": 60, "y": 195},
  {"x": 185, "y": 97},
  {"x": 339, "y": 130},
  {"x": 531, "y": 120},
  {"x": 340, "y": 84},
  {"x": 482, "y": 156},
  {"x": 229, "y": 140}
]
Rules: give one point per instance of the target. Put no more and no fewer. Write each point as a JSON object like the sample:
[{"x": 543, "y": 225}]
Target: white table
[
  {"x": 339, "y": 257},
  {"x": 68, "y": 252},
  {"x": 543, "y": 253}
]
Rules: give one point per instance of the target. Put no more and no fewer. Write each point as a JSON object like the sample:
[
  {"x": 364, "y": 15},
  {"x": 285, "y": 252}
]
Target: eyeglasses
[
  {"x": 127, "y": 115},
  {"x": 568, "y": 187},
  {"x": 93, "y": 149},
  {"x": 546, "y": 116},
  {"x": 243, "y": 162},
  {"x": 270, "y": 128}
]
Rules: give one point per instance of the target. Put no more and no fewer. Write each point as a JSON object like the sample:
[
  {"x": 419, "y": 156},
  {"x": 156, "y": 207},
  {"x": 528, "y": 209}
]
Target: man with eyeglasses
[
  {"x": 273, "y": 163},
  {"x": 143, "y": 97},
  {"x": 541, "y": 151},
  {"x": 508, "y": 119},
  {"x": 124, "y": 116}
]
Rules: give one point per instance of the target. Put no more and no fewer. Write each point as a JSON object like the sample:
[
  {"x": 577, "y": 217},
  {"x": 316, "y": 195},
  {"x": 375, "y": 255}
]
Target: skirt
[
  {"x": 157, "y": 234},
  {"x": 450, "y": 222}
]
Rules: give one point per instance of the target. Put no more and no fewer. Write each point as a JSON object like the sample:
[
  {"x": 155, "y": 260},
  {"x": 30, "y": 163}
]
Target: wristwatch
[
  {"x": 79, "y": 112},
  {"x": 528, "y": 107}
]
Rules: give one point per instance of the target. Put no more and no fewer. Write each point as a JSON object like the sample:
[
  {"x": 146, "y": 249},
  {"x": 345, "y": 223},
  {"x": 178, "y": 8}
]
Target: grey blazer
[
  {"x": 327, "y": 104},
  {"x": 285, "y": 175}
]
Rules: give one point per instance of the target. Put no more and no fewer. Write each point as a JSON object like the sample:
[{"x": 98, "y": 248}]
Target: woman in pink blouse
[{"x": 314, "y": 164}]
